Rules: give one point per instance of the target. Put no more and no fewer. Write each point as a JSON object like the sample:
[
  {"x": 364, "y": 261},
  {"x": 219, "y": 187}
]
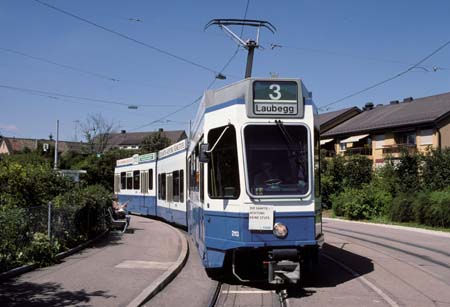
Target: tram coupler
[{"x": 284, "y": 266}]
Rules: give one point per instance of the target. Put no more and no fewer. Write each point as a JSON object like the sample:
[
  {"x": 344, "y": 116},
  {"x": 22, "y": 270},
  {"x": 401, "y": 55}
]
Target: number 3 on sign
[{"x": 276, "y": 95}]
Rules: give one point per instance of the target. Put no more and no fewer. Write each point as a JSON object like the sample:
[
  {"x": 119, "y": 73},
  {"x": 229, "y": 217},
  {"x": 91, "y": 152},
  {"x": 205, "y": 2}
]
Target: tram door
[
  {"x": 202, "y": 202},
  {"x": 169, "y": 198},
  {"x": 143, "y": 205}
]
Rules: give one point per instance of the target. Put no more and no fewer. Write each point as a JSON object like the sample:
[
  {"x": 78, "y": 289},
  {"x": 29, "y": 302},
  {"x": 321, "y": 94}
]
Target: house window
[
  {"x": 379, "y": 141},
  {"x": 342, "y": 146},
  {"x": 408, "y": 138},
  {"x": 426, "y": 137}
]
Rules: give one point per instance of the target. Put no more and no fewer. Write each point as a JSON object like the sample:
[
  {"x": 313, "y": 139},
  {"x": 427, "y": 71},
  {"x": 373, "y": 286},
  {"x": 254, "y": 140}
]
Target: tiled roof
[
  {"x": 329, "y": 116},
  {"x": 15, "y": 144},
  {"x": 420, "y": 111},
  {"x": 18, "y": 144},
  {"x": 136, "y": 138}
]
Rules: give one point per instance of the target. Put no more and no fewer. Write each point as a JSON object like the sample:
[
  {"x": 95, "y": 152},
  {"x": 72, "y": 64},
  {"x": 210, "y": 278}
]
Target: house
[
  {"x": 385, "y": 130},
  {"x": 330, "y": 120},
  {"x": 133, "y": 140},
  {"x": 10, "y": 145}
]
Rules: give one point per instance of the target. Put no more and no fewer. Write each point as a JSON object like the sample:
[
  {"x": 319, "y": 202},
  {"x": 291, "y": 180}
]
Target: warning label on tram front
[{"x": 260, "y": 218}]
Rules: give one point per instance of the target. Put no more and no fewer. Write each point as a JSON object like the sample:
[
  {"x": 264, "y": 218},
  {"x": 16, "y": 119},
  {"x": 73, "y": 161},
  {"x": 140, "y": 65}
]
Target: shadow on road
[
  {"x": 111, "y": 239},
  {"x": 328, "y": 273},
  {"x": 16, "y": 293},
  {"x": 331, "y": 274}
]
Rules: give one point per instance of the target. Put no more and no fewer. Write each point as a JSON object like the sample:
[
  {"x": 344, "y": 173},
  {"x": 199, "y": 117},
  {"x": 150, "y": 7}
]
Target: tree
[
  {"x": 155, "y": 142},
  {"x": 100, "y": 168},
  {"x": 97, "y": 132}
]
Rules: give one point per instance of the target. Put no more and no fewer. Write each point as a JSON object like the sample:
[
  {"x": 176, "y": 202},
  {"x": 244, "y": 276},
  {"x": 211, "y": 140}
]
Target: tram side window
[
  {"x": 317, "y": 179},
  {"x": 159, "y": 186},
  {"x": 163, "y": 186},
  {"x": 123, "y": 180},
  {"x": 150, "y": 180},
  {"x": 176, "y": 186},
  {"x": 181, "y": 186},
  {"x": 136, "y": 180},
  {"x": 202, "y": 183},
  {"x": 223, "y": 169},
  {"x": 129, "y": 180},
  {"x": 194, "y": 172}
]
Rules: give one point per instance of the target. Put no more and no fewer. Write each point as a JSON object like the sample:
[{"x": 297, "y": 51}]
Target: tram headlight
[{"x": 280, "y": 230}]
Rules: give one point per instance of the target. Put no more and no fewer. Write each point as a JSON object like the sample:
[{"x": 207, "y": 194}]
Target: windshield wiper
[{"x": 290, "y": 142}]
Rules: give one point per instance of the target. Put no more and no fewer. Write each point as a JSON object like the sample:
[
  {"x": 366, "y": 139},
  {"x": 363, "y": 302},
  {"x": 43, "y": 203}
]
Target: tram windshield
[{"x": 277, "y": 159}]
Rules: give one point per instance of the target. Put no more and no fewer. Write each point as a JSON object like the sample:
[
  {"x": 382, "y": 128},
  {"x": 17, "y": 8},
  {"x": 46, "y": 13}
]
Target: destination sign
[
  {"x": 136, "y": 159},
  {"x": 275, "y": 98},
  {"x": 147, "y": 157},
  {"x": 172, "y": 149}
]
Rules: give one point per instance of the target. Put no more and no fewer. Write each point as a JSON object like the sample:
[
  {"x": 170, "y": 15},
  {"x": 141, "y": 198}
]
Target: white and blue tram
[
  {"x": 154, "y": 184},
  {"x": 251, "y": 171}
]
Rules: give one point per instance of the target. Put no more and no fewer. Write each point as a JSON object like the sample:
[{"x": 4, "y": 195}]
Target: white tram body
[
  {"x": 154, "y": 184},
  {"x": 134, "y": 180},
  {"x": 171, "y": 172},
  {"x": 251, "y": 164},
  {"x": 245, "y": 184}
]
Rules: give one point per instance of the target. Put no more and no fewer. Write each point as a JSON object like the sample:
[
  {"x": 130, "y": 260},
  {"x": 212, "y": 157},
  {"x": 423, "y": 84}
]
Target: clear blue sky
[{"x": 336, "y": 47}]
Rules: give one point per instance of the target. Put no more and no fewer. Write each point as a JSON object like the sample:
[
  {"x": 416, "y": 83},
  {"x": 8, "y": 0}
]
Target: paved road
[
  {"x": 191, "y": 288},
  {"x": 370, "y": 265},
  {"x": 111, "y": 273},
  {"x": 361, "y": 265}
]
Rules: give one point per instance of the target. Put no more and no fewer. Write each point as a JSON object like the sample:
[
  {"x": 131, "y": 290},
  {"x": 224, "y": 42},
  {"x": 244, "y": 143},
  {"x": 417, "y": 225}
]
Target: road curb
[
  {"x": 30, "y": 267},
  {"x": 407, "y": 228},
  {"x": 165, "y": 278}
]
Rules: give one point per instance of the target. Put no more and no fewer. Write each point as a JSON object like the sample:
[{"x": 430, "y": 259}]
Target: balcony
[
  {"x": 365, "y": 151},
  {"x": 398, "y": 148}
]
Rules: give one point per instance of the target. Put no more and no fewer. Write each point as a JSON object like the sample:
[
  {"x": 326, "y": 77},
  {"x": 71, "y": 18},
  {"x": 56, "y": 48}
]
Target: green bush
[
  {"x": 351, "y": 203},
  {"x": 100, "y": 168},
  {"x": 327, "y": 189},
  {"x": 435, "y": 169},
  {"x": 385, "y": 178},
  {"x": 90, "y": 204},
  {"x": 12, "y": 235},
  {"x": 41, "y": 250},
  {"x": 364, "y": 203},
  {"x": 438, "y": 212},
  {"x": 402, "y": 208},
  {"x": 357, "y": 171},
  {"x": 407, "y": 172},
  {"x": 30, "y": 184},
  {"x": 421, "y": 203},
  {"x": 340, "y": 172}
]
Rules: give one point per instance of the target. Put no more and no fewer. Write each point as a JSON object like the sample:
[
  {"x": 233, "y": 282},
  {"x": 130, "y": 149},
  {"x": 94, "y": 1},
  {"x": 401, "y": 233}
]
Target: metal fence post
[{"x": 49, "y": 224}]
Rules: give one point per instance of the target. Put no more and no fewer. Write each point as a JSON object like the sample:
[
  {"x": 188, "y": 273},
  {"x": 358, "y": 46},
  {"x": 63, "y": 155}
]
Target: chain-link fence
[{"x": 35, "y": 233}]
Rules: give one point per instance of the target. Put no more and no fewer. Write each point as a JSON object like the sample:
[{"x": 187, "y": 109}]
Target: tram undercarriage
[{"x": 275, "y": 266}]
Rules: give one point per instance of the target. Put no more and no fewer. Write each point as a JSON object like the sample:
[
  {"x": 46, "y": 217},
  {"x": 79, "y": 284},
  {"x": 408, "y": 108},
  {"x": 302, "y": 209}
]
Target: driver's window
[{"x": 223, "y": 169}]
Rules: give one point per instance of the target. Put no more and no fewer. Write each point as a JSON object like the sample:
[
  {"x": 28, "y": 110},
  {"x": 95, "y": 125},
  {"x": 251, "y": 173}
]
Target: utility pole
[
  {"x": 76, "y": 124},
  {"x": 55, "y": 167},
  {"x": 250, "y": 45}
]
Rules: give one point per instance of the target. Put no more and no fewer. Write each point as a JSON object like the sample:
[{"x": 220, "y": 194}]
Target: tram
[{"x": 251, "y": 172}]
